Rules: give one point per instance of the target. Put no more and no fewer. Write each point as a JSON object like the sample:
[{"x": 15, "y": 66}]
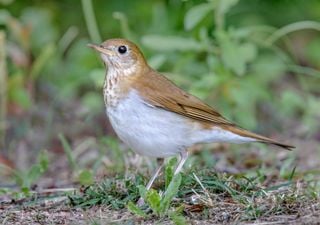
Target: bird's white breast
[
  {"x": 155, "y": 132},
  {"x": 148, "y": 130}
]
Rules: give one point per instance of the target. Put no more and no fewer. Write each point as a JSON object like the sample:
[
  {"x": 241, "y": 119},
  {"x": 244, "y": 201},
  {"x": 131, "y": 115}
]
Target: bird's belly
[{"x": 149, "y": 130}]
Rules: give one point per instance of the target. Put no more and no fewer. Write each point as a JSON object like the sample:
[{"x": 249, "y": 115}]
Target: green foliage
[
  {"x": 133, "y": 208},
  {"x": 235, "y": 56},
  {"x": 171, "y": 43},
  {"x": 177, "y": 218},
  {"x": 29, "y": 177},
  {"x": 83, "y": 176},
  {"x": 116, "y": 192},
  {"x": 169, "y": 171},
  {"x": 248, "y": 63},
  {"x": 115, "y": 153},
  {"x": 160, "y": 203},
  {"x": 119, "y": 192},
  {"x": 170, "y": 193},
  {"x": 248, "y": 192},
  {"x": 26, "y": 178},
  {"x": 196, "y": 14},
  {"x": 86, "y": 177},
  {"x": 68, "y": 150}
]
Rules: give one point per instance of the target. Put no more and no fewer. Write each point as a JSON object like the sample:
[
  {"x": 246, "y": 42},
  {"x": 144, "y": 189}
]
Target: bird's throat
[{"x": 116, "y": 85}]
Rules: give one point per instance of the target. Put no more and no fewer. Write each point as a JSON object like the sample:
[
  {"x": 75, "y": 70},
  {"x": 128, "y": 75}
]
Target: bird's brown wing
[{"x": 160, "y": 92}]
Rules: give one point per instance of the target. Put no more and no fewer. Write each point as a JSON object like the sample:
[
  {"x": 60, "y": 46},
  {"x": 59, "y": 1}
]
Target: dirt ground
[{"x": 221, "y": 213}]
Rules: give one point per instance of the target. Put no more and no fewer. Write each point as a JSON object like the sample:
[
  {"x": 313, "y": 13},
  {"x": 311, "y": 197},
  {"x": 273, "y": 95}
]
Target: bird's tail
[{"x": 259, "y": 138}]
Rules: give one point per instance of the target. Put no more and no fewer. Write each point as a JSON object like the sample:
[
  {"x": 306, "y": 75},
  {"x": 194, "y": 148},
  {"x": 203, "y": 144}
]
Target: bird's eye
[{"x": 122, "y": 49}]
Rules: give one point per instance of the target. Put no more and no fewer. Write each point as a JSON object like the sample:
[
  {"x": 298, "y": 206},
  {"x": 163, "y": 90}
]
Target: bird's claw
[{"x": 140, "y": 202}]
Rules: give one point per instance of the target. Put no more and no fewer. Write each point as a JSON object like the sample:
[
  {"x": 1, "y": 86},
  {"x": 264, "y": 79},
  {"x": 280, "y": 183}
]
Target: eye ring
[{"x": 122, "y": 49}]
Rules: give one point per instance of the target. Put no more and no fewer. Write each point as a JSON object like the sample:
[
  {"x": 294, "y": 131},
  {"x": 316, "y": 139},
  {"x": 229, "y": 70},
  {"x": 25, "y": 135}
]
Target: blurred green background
[{"x": 257, "y": 61}]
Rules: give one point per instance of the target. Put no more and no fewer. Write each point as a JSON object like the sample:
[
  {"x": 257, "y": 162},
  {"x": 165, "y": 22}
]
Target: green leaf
[
  {"x": 36, "y": 170},
  {"x": 169, "y": 170},
  {"x": 196, "y": 14},
  {"x": 21, "y": 97},
  {"x": 67, "y": 149},
  {"x": 86, "y": 177},
  {"x": 153, "y": 199},
  {"x": 43, "y": 30},
  {"x": 248, "y": 51},
  {"x": 157, "y": 61},
  {"x": 225, "y": 5},
  {"x": 286, "y": 167},
  {"x": 124, "y": 25},
  {"x": 222, "y": 7},
  {"x": 25, "y": 191},
  {"x": 178, "y": 219},
  {"x": 312, "y": 51},
  {"x": 268, "y": 67},
  {"x": 171, "y": 191},
  {"x": 135, "y": 210},
  {"x": 93, "y": 101},
  {"x": 33, "y": 175},
  {"x": 4, "y": 16},
  {"x": 41, "y": 61},
  {"x": 235, "y": 55},
  {"x": 223, "y": 187},
  {"x": 176, "y": 216},
  {"x": 310, "y": 119},
  {"x": 43, "y": 161},
  {"x": 291, "y": 101},
  {"x": 142, "y": 191},
  {"x": 97, "y": 76},
  {"x": 289, "y": 28},
  {"x": 171, "y": 43}
]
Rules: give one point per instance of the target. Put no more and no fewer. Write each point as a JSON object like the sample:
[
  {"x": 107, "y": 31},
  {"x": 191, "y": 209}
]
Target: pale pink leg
[
  {"x": 184, "y": 156},
  {"x": 149, "y": 185},
  {"x": 154, "y": 176}
]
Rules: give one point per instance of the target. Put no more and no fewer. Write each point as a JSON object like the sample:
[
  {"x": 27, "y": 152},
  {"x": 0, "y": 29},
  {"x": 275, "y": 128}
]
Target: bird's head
[{"x": 121, "y": 55}]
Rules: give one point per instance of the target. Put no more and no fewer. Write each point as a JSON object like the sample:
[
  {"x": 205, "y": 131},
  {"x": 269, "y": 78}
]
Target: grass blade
[
  {"x": 171, "y": 191},
  {"x": 136, "y": 210},
  {"x": 169, "y": 171},
  {"x": 67, "y": 149},
  {"x": 3, "y": 89},
  {"x": 153, "y": 199}
]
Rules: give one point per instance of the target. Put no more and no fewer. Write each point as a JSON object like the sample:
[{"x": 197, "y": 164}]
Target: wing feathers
[{"x": 166, "y": 95}]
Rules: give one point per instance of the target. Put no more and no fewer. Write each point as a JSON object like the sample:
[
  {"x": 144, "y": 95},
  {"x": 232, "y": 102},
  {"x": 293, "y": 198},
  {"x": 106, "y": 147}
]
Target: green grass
[
  {"x": 262, "y": 192},
  {"x": 203, "y": 190},
  {"x": 116, "y": 192}
]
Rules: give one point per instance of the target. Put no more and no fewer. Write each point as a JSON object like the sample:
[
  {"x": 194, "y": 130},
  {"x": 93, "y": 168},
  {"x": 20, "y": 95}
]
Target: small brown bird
[{"x": 153, "y": 116}]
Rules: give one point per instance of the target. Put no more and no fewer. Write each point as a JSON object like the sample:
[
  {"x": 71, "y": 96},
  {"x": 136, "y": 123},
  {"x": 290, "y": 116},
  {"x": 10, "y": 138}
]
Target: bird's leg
[
  {"x": 184, "y": 156},
  {"x": 154, "y": 176}
]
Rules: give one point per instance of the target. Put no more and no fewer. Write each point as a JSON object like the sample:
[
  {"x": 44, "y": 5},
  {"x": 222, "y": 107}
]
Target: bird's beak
[{"x": 101, "y": 49}]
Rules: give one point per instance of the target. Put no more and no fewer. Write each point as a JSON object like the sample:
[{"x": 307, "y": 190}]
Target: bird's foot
[{"x": 140, "y": 202}]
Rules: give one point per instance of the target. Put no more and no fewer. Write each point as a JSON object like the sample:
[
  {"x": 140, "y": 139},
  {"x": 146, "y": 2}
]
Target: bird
[{"x": 156, "y": 118}]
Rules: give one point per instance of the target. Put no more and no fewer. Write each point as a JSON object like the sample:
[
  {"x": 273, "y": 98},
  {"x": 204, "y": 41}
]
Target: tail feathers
[
  {"x": 282, "y": 145},
  {"x": 258, "y": 137}
]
